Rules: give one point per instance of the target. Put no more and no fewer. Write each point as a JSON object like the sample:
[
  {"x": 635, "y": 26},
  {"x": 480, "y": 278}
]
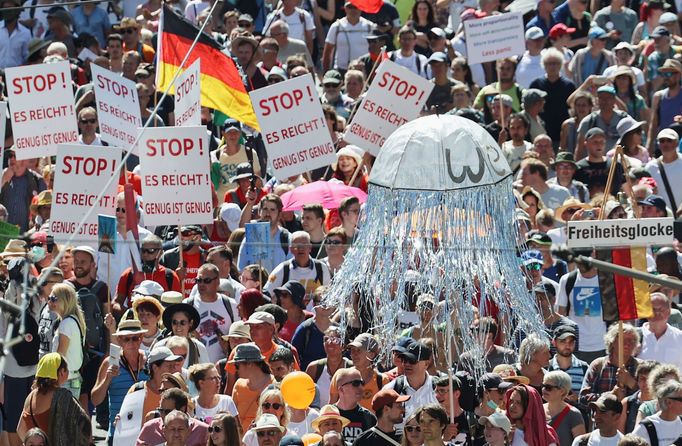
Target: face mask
[
  {"x": 148, "y": 266},
  {"x": 38, "y": 253}
]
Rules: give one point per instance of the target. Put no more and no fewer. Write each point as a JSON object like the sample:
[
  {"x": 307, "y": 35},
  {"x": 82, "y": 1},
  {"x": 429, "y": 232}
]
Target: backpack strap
[
  {"x": 319, "y": 274},
  {"x": 285, "y": 272},
  {"x": 284, "y": 241},
  {"x": 651, "y": 430},
  {"x": 380, "y": 380},
  {"x": 600, "y": 65},
  {"x": 319, "y": 368},
  {"x": 668, "y": 189},
  {"x": 228, "y": 307},
  {"x": 399, "y": 386},
  {"x": 169, "y": 278}
]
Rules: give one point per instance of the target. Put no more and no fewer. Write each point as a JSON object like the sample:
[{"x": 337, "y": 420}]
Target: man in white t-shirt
[
  {"x": 301, "y": 23},
  {"x": 669, "y": 163},
  {"x": 407, "y": 57},
  {"x": 215, "y": 316},
  {"x": 530, "y": 65},
  {"x": 606, "y": 411},
  {"x": 346, "y": 39},
  {"x": 665, "y": 425},
  {"x": 579, "y": 299},
  {"x": 515, "y": 147},
  {"x": 660, "y": 340}
]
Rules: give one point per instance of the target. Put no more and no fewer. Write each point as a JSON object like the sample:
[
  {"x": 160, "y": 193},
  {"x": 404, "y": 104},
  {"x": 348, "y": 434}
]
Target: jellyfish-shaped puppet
[{"x": 439, "y": 220}]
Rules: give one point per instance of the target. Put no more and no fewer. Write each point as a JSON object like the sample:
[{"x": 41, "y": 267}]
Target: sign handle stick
[
  {"x": 449, "y": 355},
  {"x": 499, "y": 82},
  {"x": 182, "y": 262},
  {"x": 357, "y": 171}
]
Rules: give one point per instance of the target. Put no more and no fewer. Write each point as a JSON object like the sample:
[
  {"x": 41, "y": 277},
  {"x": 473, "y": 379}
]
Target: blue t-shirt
[
  {"x": 590, "y": 65},
  {"x": 95, "y": 24}
]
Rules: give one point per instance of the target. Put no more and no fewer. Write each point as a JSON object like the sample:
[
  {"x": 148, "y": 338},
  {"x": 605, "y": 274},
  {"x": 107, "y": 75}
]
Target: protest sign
[
  {"x": 293, "y": 126},
  {"x": 619, "y": 233},
  {"x": 42, "y": 110},
  {"x": 395, "y": 97},
  {"x": 81, "y": 173},
  {"x": 8, "y": 231},
  {"x": 118, "y": 107},
  {"x": 188, "y": 96},
  {"x": 256, "y": 242},
  {"x": 176, "y": 184},
  {"x": 106, "y": 234},
  {"x": 495, "y": 37}
]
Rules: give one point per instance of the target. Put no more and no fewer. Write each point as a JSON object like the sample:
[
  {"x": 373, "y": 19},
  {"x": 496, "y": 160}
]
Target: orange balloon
[
  {"x": 298, "y": 390},
  {"x": 311, "y": 438}
]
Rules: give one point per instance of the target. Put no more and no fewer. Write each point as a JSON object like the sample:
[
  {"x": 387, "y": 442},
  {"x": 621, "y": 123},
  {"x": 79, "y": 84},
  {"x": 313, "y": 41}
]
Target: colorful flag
[
  {"x": 624, "y": 298},
  {"x": 222, "y": 87},
  {"x": 368, "y": 6}
]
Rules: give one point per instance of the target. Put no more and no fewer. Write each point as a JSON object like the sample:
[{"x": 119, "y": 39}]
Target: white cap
[{"x": 230, "y": 213}]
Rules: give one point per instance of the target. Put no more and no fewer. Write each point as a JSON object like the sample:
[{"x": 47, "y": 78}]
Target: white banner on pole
[
  {"x": 188, "y": 96},
  {"x": 42, "y": 108},
  {"x": 293, "y": 126},
  {"x": 620, "y": 232},
  {"x": 495, "y": 37},
  {"x": 395, "y": 97},
  {"x": 81, "y": 172},
  {"x": 176, "y": 184},
  {"x": 118, "y": 107}
]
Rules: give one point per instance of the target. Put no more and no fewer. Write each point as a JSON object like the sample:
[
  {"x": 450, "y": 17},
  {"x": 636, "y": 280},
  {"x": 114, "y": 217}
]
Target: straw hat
[
  {"x": 14, "y": 248},
  {"x": 129, "y": 327},
  {"x": 569, "y": 203},
  {"x": 44, "y": 199},
  {"x": 137, "y": 301},
  {"x": 329, "y": 412}
]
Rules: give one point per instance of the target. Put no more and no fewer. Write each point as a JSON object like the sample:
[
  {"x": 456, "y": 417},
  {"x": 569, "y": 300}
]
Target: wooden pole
[
  {"x": 182, "y": 261},
  {"x": 449, "y": 356},
  {"x": 499, "y": 92}
]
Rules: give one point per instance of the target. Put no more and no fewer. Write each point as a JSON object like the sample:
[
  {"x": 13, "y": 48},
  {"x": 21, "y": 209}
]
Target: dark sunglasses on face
[
  {"x": 121, "y": 210},
  {"x": 181, "y": 323},
  {"x": 128, "y": 30},
  {"x": 88, "y": 121},
  {"x": 127, "y": 339},
  {"x": 205, "y": 280},
  {"x": 267, "y": 406},
  {"x": 549, "y": 387},
  {"x": 355, "y": 383},
  {"x": 216, "y": 429},
  {"x": 244, "y": 24},
  {"x": 534, "y": 267},
  {"x": 408, "y": 360},
  {"x": 52, "y": 298},
  {"x": 270, "y": 433},
  {"x": 411, "y": 429},
  {"x": 150, "y": 250},
  {"x": 334, "y": 242}
]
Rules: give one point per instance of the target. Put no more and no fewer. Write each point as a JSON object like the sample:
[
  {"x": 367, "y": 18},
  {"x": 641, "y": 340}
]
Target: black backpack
[
  {"x": 26, "y": 353},
  {"x": 94, "y": 320},
  {"x": 653, "y": 435},
  {"x": 319, "y": 274}
]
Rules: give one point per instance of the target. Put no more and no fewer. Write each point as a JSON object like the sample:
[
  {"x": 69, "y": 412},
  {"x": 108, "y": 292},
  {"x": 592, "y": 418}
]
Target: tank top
[
  {"x": 668, "y": 109},
  {"x": 323, "y": 385},
  {"x": 118, "y": 389}
]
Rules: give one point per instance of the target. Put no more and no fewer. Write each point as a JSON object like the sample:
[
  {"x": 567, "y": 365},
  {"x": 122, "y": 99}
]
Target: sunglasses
[
  {"x": 333, "y": 340},
  {"x": 667, "y": 74},
  {"x": 216, "y": 429},
  {"x": 354, "y": 383},
  {"x": 334, "y": 242},
  {"x": 276, "y": 406},
  {"x": 128, "y": 30},
  {"x": 182, "y": 323},
  {"x": 127, "y": 339},
  {"x": 676, "y": 398},
  {"x": 52, "y": 298},
  {"x": 408, "y": 360},
  {"x": 88, "y": 121},
  {"x": 121, "y": 210},
  {"x": 411, "y": 429},
  {"x": 269, "y": 433},
  {"x": 206, "y": 280},
  {"x": 244, "y": 24},
  {"x": 549, "y": 387},
  {"x": 150, "y": 250},
  {"x": 534, "y": 267}
]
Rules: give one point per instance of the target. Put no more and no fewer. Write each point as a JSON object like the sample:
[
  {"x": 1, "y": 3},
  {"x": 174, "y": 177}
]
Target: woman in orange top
[{"x": 254, "y": 377}]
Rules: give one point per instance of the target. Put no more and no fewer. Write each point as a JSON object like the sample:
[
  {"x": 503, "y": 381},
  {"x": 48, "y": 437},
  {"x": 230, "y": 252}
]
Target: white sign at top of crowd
[
  {"x": 495, "y": 37},
  {"x": 42, "y": 108},
  {"x": 293, "y": 126},
  {"x": 396, "y": 96},
  {"x": 188, "y": 96},
  {"x": 620, "y": 232},
  {"x": 118, "y": 107},
  {"x": 81, "y": 173},
  {"x": 174, "y": 169}
]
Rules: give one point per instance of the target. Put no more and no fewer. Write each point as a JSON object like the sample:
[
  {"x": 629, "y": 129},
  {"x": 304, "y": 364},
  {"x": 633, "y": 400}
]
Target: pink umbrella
[{"x": 328, "y": 194}]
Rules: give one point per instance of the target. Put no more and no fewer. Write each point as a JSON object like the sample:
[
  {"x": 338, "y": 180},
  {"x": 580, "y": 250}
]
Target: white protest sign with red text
[
  {"x": 176, "y": 185},
  {"x": 188, "y": 96},
  {"x": 118, "y": 107},
  {"x": 42, "y": 108},
  {"x": 395, "y": 97},
  {"x": 495, "y": 37},
  {"x": 293, "y": 126},
  {"x": 81, "y": 172}
]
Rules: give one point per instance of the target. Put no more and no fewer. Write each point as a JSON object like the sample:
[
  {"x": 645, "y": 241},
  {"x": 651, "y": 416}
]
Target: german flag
[
  {"x": 624, "y": 298},
  {"x": 222, "y": 87}
]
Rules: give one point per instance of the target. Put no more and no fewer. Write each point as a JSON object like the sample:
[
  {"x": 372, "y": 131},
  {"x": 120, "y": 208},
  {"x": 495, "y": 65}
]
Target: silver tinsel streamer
[{"x": 462, "y": 242}]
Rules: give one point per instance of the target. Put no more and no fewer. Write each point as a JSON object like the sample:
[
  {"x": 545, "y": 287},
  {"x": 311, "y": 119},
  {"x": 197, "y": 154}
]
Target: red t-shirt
[
  {"x": 193, "y": 262},
  {"x": 158, "y": 276}
]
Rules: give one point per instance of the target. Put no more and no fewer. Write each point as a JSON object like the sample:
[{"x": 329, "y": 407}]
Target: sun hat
[
  {"x": 329, "y": 412},
  {"x": 129, "y": 327},
  {"x": 295, "y": 290},
  {"x": 48, "y": 366},
  {"x": 366, "y": 342},
  {"x": 267, "y": 421},
  {"x": 627, "y": 125},
  {"x": 238, "y": 329},
  {"x": 44, "y": 199},
  {"x": 147, "y": 301},
  {"x": 188, "y": 309},
  {"x": 148, "y": 288},
  {"x": 14, "y": 248},
  {"x": 568, "y": 204},
  {"x": 248, "y": 352},
  {"x": 171, "y": 297}
]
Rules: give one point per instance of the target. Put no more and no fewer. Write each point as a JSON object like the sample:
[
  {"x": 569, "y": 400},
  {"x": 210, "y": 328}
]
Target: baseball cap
[
  {"x": 148, "y": 288},
  {"x": 366, "y": 342},
  {"x": 162, "y": 353},
  {"x": 607, "y": 401},
  {"x": 295, "y": 289},
  {"x": 332, "y": 77},
  {"x": 660, "y": 31},
  {"x": 531, "y": 256},
  {"x": 540, "y": 238},
  {"x": 535, "y": 33},
  {"x": 594, "y": 131},
  {"x": 401, "y": 344},
  {"x": 231, "y": 124},
  {"x": 505, "y": 98},
  {"x": 261, "y": 317},
  {"x": 376, "y": 34},
  {"x": 438, "y": 56},
  {"x": 492, "y": 381},
  {"x": 291, "y": 440},
  {"x": 668, "y": 134},
  {"x": 533, "y": 95},
  {"x": 86, "y": 249},
  {"x": 667, "y": 18},
  {"x": 596, "y": 32},
  {"x": 230, "y": 213},
  {"x": 438, "y": 32},
  {"x": 417, "y": 351},
  {"x": 564, "y": 331},
  {"x": 245, "y": 18},
  {"x": 387, "y": 397},
  {"x": 559, "y": 30},
  {"x": 497, "y": 419},
  {"x": 606, "y": 89},
  {"x": 654, "y": 200}
]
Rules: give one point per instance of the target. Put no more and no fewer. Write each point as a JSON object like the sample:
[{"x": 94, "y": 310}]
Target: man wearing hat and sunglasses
[
  {"x": 230, "y": 155},
  {"x": 666, "y": 103}
]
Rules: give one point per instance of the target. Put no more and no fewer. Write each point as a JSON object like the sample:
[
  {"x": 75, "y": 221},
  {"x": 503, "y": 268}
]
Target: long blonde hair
[
  {"x": 67, "y": 302},
  {"x": 268, "y": 393}
]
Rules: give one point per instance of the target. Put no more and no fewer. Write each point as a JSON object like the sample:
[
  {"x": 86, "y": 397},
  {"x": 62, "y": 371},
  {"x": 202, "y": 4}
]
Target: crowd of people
[{"x": 189, "y": 346}]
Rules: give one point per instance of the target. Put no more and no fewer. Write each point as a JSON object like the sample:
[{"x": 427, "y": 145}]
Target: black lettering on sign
[{"x": 483, "y": 161}]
